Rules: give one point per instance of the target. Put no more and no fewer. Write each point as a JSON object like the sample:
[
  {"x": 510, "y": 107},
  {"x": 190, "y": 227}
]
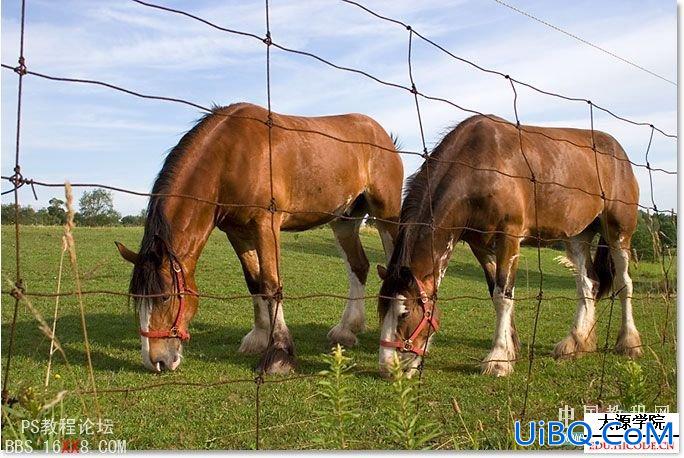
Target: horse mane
[
  {"x": 415, "y": 207},
  {"x": 157, "y": 238}
]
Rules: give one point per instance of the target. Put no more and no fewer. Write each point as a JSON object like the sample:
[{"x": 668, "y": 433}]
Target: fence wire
[{"x": 19, "y": 293}]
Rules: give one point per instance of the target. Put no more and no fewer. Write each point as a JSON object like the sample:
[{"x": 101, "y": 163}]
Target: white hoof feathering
[
  {"x": 574, "y": 346},
  {"x": 629, "y": 344},
  {"x": 358, "y": 326},
  {"x": 499, "y": 363},
  {"x": 254, "y": 342},
  {"x": 343, "y": 336}
]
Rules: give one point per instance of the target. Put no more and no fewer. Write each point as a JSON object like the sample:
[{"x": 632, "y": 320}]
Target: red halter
[
  {"x": 428, "y": 320},
  {"x": 176, "y": 331}
]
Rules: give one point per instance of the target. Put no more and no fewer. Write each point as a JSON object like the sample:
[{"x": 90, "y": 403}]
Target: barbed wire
[
  {"x": 21, "y": 71},
  {"x": 303, "y": 297},
  {"x": 524, "y": 236}
]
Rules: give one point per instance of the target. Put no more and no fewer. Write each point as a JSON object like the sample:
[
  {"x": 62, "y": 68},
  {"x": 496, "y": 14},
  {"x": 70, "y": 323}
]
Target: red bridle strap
[
  {"x": 176, "y": 331},
  {"x": 428, "y": 320}
]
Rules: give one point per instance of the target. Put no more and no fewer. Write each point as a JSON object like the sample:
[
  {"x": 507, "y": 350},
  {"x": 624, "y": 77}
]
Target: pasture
[{"x": 223, "y": 417}]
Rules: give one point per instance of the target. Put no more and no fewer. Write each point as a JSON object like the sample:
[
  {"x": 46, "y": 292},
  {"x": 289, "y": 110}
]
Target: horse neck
[
  {"x": 429, "y": 250},
  {"x": 190, "y": 215},
  {"x": 190, "y": 224}
]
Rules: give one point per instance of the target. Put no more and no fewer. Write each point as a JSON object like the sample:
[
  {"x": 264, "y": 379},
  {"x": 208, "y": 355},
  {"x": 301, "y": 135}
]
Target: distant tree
[
  {"x": 129, "y": 220},
  {"x": 27, "y": 215},
  {"x": 662, "y": 224},
  {"x": 7, "y": 214},
  {"x": 43, "y": 218},
  {"x": 642, "y": 242},
  {"x": 56, "y": 211},
  {"x": 135, "y": 220},
  {"x": 668, "y": 229},
  {"x": 97, "y": 209}
]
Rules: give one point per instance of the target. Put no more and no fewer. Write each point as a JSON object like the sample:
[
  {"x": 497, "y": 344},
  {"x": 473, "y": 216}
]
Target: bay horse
[
  {"x": 481, "y": 191},
  {"x": 325, "y": 170}
]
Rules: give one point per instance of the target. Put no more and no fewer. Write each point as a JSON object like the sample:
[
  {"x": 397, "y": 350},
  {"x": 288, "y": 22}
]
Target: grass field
[{"x": 223, "y": 417}]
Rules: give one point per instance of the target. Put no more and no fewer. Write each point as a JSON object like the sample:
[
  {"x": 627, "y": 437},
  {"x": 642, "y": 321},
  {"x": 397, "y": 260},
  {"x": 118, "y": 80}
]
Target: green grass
[{"x": 224, "y": 417}]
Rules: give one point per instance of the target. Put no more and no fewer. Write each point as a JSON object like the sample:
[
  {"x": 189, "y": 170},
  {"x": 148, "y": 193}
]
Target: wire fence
[{"x": 19, "y": 293}]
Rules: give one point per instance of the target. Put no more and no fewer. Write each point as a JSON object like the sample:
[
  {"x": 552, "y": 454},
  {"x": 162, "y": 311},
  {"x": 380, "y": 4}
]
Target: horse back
[
  {"x": 319, "y": 164},
  {"x": 502, "y": 179}
]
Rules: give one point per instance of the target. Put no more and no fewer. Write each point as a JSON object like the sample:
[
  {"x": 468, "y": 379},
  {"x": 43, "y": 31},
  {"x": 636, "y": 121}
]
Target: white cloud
[{"x": 162, "y": 53}]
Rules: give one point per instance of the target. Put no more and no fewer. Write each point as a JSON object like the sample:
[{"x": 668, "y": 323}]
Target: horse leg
[
  {"x": 388, "y": 234},
  {"x": 487, "y": 260},
  {"x": 582, "y": 336},
  {"x": 629, "y": 340},
  {"x": 385, "y": 205},
  {"x": 353, "y": 318},
  {"x": 256, "y": 340},
  {"x": 500, "y": 360},
  {"x": 279, "y": 355}
]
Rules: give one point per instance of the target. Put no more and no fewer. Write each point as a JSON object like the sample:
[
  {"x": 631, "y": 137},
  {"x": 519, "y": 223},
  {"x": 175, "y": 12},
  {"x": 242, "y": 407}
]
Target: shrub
[
  {"x": 408, "y": 428},
  {"x": 632, "y": 384},
  {"x": 338, "y": 410}
]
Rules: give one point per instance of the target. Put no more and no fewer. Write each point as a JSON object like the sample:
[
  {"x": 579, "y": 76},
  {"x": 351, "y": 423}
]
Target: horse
[
  {"x": 495, "y": 188},
  {"x": 252, "y": 174}
]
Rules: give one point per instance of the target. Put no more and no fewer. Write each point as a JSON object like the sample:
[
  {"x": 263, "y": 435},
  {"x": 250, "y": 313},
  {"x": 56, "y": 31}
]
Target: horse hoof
[
  {"x": 573, "y": 347},
  {"x": 277, "y": 361},
  {"x": 497, "y": 368},
  {"x": 254, "y": 342},
  {"x": 358, "y": 328},
  {"x": 629, "y": 344},
  {"x": 342, "y": 336},
  {"x": 498, "y": 363}
]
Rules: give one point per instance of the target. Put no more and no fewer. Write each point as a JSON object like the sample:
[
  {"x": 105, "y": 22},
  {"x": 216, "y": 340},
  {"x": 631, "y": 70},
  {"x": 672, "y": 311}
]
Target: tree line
[
  {"x": 654, "y": 234},
  {"x": 96, "y": 208}
]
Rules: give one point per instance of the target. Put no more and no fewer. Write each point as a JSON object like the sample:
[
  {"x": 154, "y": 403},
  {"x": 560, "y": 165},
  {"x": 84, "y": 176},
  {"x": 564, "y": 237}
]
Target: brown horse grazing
[
  {"x": 323, "y": 168},
  {"x": 482, "y": 193}
]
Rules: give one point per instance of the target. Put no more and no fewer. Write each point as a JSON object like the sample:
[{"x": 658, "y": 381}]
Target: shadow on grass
[
  {"x": 105, "y": 331},
  {"x": 112, "y": 336},
  {"x": 460, "y": 267},
  {"x": 326, "y": 247},
  {"x": 466, "y": 271}
]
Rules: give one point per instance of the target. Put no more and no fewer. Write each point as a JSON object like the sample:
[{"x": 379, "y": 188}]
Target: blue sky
[{"x": 90, "y": 134}]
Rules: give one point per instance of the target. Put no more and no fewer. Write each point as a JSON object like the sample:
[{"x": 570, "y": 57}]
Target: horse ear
[
  {"x": 382, "y": 272},
  {"x": 128, "y": 255}
]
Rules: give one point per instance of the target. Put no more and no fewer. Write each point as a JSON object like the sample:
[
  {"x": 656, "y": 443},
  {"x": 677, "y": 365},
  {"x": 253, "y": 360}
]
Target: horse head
[
  {"x": 165, "y": 303},
  {"x": 408, "y": 319}
]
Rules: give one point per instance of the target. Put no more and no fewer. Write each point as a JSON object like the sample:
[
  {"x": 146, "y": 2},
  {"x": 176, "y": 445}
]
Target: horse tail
[{"x": 603, "y": 267}]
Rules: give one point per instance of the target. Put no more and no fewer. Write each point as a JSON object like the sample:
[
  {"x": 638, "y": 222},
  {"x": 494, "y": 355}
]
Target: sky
[{"x": 95, "y": 135}]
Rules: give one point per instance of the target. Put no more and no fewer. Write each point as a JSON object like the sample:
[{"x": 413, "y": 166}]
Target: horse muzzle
[
  {"x": 164, "y": 362},
  {"x": 159, "y": 355}
]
